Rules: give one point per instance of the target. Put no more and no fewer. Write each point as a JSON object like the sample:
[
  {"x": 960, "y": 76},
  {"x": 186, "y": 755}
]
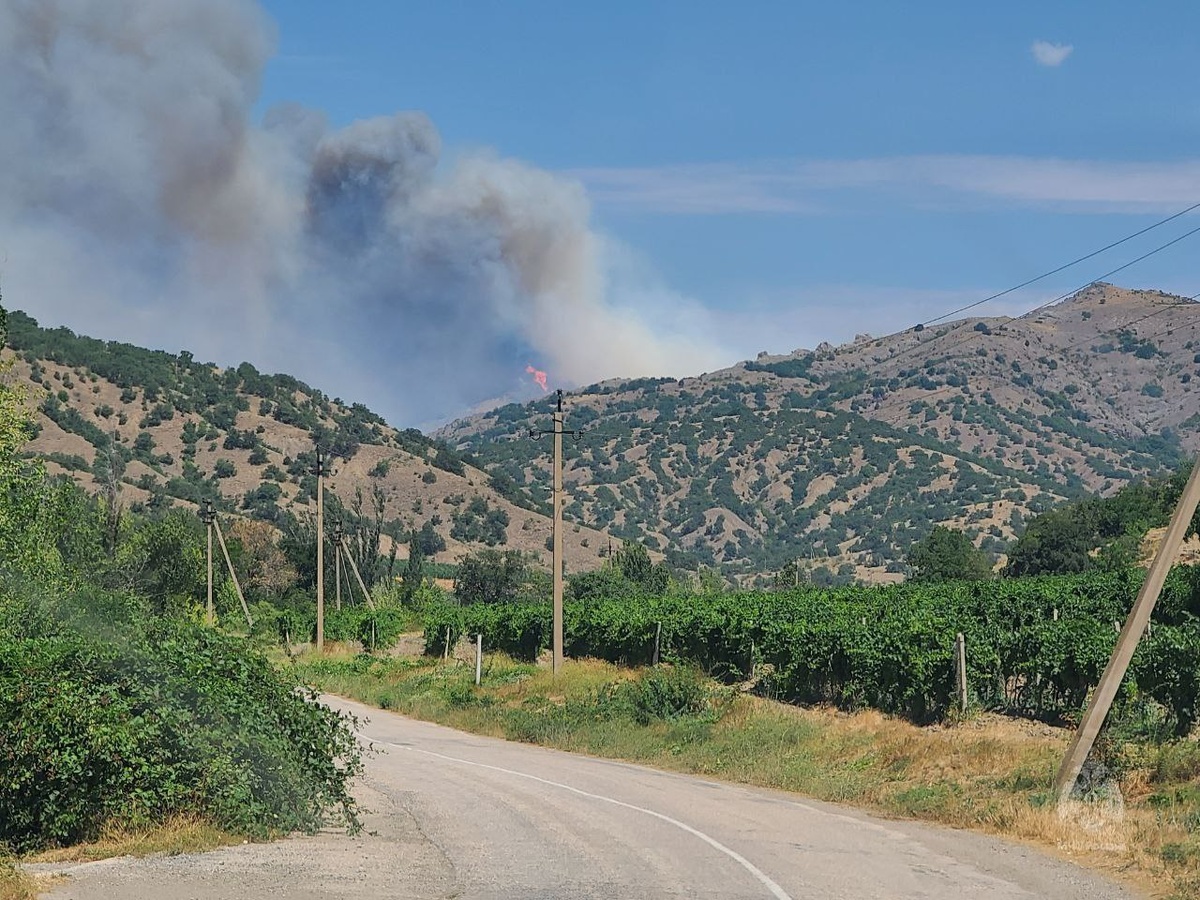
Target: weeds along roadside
[
  {"x": 15, "y": 884},
  {"x": 120, "y": 726},
  {"x": 987, "y": 773}
]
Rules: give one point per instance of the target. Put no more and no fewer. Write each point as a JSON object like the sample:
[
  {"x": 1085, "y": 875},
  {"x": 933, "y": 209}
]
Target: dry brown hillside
[
  {"x": 842, "y": 457},
  {"x": 182, "y": 430}
]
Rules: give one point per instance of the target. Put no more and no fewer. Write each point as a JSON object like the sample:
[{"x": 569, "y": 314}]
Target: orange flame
[{"x": 539, "y": 376}]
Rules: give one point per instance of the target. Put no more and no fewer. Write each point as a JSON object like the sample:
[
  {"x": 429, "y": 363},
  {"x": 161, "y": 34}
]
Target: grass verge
[
  {"x": 988, "y": 774},
  {"x": 179, "y": 834},
  {"x": 15, "y": 884}
]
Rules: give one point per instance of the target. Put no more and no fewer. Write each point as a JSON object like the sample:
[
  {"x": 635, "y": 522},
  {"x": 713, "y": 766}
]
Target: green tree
[
  {"x": 414, "y": 568},
  {"x": 163, "y": 560},
  {"x": 490, "y": 576},
  {"x": 430, "y": 542},
  {"x": 633, "y": 560},
  {"x": 1057, "y": 542},
  {"x": 946, "y": 554},
  {"x": 789, "y": 576},
  {"x": 604, "y": 583},
  {"x": 29, "y": 518}
]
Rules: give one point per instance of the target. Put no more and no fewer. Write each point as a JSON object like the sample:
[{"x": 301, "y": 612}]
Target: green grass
[{"x": 988, "y": 774}]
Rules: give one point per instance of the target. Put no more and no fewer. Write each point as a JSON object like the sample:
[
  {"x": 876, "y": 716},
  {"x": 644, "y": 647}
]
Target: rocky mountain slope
[
  {"x": 842, "y": 457},
  {"x": 169, "y": 429}
]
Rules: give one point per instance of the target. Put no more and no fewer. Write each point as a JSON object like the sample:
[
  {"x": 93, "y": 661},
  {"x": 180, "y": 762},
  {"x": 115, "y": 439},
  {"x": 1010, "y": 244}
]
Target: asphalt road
[{"x": 455, "y": 815}]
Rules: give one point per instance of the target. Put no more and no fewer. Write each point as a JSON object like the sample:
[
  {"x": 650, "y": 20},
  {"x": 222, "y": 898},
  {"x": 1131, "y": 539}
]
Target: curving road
[{"x": 456, "y": 815}]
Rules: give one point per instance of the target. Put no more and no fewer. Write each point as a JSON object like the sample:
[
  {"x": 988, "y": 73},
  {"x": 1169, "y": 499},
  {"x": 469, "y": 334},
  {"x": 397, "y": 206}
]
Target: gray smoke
[{"x": 140, "y": 201}]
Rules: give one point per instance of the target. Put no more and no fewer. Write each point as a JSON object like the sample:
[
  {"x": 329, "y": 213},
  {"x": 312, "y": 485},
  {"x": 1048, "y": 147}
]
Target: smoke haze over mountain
[{"x": 139, "y": 200}]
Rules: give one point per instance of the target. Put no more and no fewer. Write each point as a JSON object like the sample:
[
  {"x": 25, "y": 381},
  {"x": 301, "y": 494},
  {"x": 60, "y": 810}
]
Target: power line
[
  {"x": 1063, "y": 267},
  {"x": 974, "y": 335},
  {"x": 921, "y": 326},
  {"x": 1064, "y": 347}
]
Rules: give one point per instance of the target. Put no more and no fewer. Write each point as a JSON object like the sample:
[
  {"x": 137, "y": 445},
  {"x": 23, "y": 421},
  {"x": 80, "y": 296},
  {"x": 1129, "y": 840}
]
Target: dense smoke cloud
[{"x": 139, "y": 201}]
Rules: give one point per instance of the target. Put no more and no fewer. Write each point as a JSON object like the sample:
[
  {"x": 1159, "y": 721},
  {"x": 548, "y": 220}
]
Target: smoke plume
[{"x": 141, "y": 201}]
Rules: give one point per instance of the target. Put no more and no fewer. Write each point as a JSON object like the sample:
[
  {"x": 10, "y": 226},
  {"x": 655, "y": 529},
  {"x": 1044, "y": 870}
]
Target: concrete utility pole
[
  {"x": 320, "y": 551},
  {"x": 207, "y": 516},
  {"x": 362, "y": 585},
  {"x": 1135, "y": 626},
  {"x": 337, "y": 560},
  {"x": 558, "y": 548},
  {"x": 557, "y": 561},
  {"x": 237, "y": 585}
]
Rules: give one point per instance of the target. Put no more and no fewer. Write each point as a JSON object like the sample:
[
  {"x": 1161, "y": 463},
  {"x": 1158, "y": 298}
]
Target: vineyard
[{"x": 1035, "y": 646}]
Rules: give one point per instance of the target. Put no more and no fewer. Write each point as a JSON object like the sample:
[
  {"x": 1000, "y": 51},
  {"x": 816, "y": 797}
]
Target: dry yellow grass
[
  {"x": 180, "y": 834},
  {"x": 980, "y": 775},
  {"x": 15, "y": 884}
]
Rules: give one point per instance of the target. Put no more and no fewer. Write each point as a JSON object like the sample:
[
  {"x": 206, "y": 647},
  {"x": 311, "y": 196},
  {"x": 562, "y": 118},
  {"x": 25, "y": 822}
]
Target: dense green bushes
[
  {"x": 108, "y": 714},
  {"x": 375, "y": 629},
  {"x": 887, "y": 647}
]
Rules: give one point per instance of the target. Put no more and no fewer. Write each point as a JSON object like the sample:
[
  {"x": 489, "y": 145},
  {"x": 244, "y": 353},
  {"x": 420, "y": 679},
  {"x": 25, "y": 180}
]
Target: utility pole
[
  {"x": 558, "y": 549},
  {"x": 320, "y": 551},
  {"x": 207, "y": 516},
  {"x": 237, "y": 585},
  {"x": 1135, "y": 626},
  {"x": 337, "y": 559},
  {"x": 557, "y": 560},
  {"x": 340, "y": 539}
]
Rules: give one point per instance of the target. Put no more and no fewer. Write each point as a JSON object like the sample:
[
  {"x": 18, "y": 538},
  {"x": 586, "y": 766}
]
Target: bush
[
  {"x": 667, "y": 694},
  {"x": 375, "y": 629},
  {"x": 168, "y": 718}
]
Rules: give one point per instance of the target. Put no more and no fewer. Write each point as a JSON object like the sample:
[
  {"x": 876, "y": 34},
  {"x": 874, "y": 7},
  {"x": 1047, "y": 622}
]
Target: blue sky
[
  {"x": 796, "y": 162},
  {"x": 375, "y": 195}
]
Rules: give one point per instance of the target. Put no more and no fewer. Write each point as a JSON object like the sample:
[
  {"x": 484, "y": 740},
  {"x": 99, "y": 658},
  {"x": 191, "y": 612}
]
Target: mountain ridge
[
  {"x": 181, "y": 431},
  {"x": 847, "y": 455},
  {"x": 839, "y": 458}
]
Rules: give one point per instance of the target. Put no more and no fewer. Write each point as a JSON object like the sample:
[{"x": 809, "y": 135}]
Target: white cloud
[
  {"x": 695, "y": 189},
  {"x": 816, "y": 186},
  {"x": 1048, "y": 54}
]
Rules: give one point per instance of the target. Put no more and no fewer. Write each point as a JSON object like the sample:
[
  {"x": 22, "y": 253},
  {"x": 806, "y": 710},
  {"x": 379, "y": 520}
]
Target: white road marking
[{"x": 776, "y": 891}]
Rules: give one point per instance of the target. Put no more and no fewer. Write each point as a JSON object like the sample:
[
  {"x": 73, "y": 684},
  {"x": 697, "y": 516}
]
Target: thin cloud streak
[{"x": 811, "y": 187}]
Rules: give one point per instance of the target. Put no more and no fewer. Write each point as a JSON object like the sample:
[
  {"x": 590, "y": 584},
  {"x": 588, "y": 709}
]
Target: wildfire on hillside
[{"x": 539, "y": 376}]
